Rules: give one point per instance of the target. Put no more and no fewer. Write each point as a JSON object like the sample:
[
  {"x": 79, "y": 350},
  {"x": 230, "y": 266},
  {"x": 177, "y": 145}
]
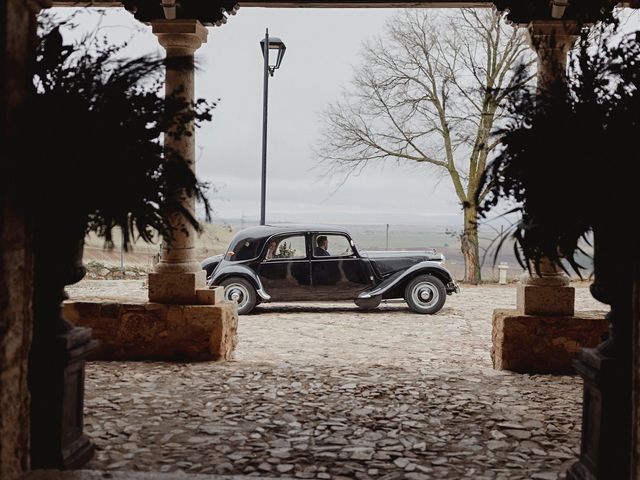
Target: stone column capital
[
  {"x": 551, "y": 40},
  {"x": 558, "y": 35},
  {"x": 186, "y": 35}
]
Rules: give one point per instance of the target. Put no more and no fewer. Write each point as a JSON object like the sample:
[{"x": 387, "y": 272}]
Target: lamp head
[{"x": 275, "y": 52}]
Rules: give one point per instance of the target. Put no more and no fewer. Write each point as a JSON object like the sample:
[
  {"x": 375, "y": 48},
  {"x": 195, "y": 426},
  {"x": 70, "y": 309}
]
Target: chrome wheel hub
[
  {"x": 236, "y": 293},
  {"x": 425, "y": 294}
]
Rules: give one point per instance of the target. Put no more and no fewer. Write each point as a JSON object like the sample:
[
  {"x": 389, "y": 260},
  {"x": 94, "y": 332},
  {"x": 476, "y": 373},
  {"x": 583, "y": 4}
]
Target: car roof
[{"x": 263, "y": 231}]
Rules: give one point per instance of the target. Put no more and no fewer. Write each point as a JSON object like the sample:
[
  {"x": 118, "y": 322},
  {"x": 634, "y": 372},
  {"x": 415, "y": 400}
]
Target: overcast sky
[{"x": 322, "y": 49}]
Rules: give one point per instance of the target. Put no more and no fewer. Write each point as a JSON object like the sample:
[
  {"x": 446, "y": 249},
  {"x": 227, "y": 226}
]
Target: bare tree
[{"x": 429, "y": 91}]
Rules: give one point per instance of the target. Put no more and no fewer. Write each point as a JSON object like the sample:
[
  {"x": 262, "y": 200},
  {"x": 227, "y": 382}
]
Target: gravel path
[{"x": 328, "y": 391}]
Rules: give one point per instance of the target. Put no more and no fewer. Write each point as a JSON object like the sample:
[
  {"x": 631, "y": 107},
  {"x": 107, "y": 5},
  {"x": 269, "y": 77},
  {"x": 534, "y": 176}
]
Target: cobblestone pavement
[{"x": 328, "y": 391}]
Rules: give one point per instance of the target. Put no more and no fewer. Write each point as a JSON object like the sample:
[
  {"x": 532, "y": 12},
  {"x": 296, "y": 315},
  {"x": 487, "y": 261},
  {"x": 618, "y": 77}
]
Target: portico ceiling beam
[
  {"x": 312, "y": 4},
  {"x": 328, "y": 4},
  {"x": 363, "y": 4},
  {"x": 332, "y": 3}
]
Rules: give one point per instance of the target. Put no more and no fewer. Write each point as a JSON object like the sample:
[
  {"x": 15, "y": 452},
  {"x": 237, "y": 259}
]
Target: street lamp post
[{"x": 266, "y": 46}]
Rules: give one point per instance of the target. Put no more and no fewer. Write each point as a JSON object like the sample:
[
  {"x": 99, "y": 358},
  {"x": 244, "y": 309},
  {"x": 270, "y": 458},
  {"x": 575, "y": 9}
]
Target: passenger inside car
[{"x": 271, "y": 250}]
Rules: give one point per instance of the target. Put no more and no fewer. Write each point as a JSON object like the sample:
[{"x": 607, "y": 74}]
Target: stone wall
[{"x": 102, "y": 271}]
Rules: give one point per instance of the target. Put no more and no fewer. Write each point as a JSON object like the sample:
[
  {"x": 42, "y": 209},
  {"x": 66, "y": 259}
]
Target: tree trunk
[{"x": 469, "y": 246}]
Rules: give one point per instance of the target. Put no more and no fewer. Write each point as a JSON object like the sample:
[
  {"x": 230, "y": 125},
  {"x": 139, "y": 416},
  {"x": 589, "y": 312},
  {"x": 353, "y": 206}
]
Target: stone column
[
  {"x": 178, "y": 276},
  {"x": 543, "y": 334},
  {"x": 183, "y": 320},
  {"x": 547, "y": 291},
  {"x": 17, "y": 37}
]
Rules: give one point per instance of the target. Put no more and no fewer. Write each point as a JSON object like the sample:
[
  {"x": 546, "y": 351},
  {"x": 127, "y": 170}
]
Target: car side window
[
  {"x": 292, "y": 247},
  {"x": 244, "y": 250},
  {"x": 331, "y": 245}
]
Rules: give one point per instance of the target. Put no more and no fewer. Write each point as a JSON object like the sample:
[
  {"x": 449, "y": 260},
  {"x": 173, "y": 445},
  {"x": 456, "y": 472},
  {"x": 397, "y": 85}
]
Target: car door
[
  {"x": 337, "y": 273},
  {"x": 285, "y": 274}
]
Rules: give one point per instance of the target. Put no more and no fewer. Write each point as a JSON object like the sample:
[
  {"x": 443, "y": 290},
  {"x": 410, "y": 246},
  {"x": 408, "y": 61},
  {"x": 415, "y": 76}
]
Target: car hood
[{"x": 388, "y": 262}]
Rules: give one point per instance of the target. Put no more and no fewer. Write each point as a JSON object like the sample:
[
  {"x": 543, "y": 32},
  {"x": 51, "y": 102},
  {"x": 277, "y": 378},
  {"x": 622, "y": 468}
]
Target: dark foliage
[
  {"x": 569, "y": 160},
  {"x": 93, "y": 133},
  {"x": 209, "y": 12}
]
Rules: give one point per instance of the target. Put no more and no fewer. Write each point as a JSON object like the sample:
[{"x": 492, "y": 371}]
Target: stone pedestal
[
  {"x": 56, "y": 378},
  {"x": 154, "y": 331},
  {"x": 178, "y": 287},
  {"x": 545, "y": 291},
  {"x": 605, "y": 397},
  {"x": 543, "y": 334},
  {"x": 542, "y": 300},
  {"x": 543, "y": 344}
]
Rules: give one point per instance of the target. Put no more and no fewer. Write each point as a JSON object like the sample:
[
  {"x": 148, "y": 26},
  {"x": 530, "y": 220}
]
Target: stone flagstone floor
[{"x": 327, "y": 391}]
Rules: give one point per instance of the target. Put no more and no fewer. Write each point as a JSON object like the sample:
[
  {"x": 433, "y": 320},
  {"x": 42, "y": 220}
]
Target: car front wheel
[
  {"x": 425, "y": 294},
  {"x": 241, "y": 291}
]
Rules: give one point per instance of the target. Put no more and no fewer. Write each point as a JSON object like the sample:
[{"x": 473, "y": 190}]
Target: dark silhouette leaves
[
  {"x": 568, "y": 157},
  {"x": 93, "y": 129}
]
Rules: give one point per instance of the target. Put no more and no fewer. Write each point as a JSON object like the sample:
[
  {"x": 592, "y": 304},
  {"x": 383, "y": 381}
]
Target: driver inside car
[{"x": 322, "y": 244}]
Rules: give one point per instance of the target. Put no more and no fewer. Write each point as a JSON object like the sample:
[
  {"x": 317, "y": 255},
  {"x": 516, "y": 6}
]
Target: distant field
[
  {"x": 444, "y": 240},
  {"x": 215, "y": 239}
]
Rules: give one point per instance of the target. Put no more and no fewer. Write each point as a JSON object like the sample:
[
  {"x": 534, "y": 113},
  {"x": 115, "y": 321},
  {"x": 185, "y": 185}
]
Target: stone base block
[
  {"x": 153, "y": 331},
  {"x": 176, "y": 288},
  {"x": 210, "y": 296},
  {"x": 538, "y": 344},
  {"x": 542, "y": 300}
]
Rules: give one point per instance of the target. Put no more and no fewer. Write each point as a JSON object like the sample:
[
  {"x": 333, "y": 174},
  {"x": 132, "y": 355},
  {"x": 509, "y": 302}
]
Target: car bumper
[{"x": 453, "y": 287}]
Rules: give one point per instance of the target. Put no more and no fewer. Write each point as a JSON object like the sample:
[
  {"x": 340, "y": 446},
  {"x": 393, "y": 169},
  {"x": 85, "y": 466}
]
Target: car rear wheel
[
  {"x": 241, "y": 291},
  {"x": 368, "y": 303},
  {"x": 425, "y": 294}
]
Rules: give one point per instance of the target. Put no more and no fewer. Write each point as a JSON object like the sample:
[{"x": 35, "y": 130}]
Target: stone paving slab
[{"x": 328, "y": 391}]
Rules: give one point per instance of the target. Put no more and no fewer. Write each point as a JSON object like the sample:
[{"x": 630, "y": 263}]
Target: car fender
[
  {"x": 402, "y": 276},
  {"x": 209, "y": 264},
  {"x": 225, "y": 271}
]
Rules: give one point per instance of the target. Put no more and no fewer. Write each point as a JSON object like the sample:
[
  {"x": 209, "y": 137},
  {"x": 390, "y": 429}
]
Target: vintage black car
[{"x": 320, "y": 263}]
